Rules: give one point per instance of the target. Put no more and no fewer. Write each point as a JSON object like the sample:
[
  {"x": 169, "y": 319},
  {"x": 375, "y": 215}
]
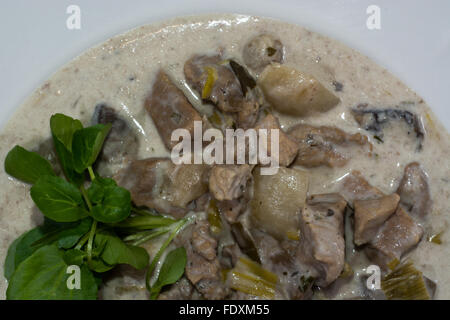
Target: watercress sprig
[{"x": 83, "y": 220}]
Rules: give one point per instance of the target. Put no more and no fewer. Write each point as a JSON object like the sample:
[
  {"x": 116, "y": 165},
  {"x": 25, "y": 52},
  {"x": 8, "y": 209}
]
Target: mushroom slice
[
  {"x": 375, "y": 119},
  {"x": 261, "y": 51},
  {"x": 120, "y": 145}
]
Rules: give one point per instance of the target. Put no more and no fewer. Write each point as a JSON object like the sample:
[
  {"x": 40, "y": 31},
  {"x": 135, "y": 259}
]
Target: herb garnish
[
  {"x": 92, "y": 224},
  {"x": 378, "y": 138}
]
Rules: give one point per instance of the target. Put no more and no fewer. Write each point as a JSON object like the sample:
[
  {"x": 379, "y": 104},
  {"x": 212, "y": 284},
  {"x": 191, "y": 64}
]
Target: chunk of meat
[
  {"x": 160, "y": 184},
  {"x": 248, "y": 114},
  {"x": 322, "y": 244},
  {"x": 370, "y": 216},
  {"x": 170, "y": 109},
  {"x": 414, "y": 190},
  {"x": 231, "y": 210},
  {"x": 225, "y": 93},
  {"x": 120, "y": 145},
  {"x": 228, "y": 182},
  {"x": 217, "y": 83},
  {"x": 287, "y": 147},
  {"x": 275, "y": 258},
  {"x": 230, "y": 255},
  {"x": 355, "y": 187},
  {"x": 202, "y": 241},
  {"x": 318, "y": 145},
  {"x": 399, "y": 234},
  {"x": 203, "y": 273},
  {"x": 261, "y": 51}
]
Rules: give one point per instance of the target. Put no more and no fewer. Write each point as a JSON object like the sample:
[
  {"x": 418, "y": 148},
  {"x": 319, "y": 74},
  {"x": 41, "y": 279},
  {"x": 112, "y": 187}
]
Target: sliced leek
[
  {"x": 209, "y": 83},
  {"x": 393, "y": 264},
  {"x": 405, "y": 283},
  {"x": 249, "y": 277},
  {"x": 216, "y": 119},
  {"x": 347, "y": 271},
  {"x": 435, "y": 238},
  {"x": 251, "y": 285},
  {"x": 214, "y": 217},
  {"x": 293, "y": 235}
]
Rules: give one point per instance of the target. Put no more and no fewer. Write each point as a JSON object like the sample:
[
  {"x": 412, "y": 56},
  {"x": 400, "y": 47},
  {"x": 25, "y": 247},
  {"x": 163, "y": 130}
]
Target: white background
[{"x": 413, "y": 43}]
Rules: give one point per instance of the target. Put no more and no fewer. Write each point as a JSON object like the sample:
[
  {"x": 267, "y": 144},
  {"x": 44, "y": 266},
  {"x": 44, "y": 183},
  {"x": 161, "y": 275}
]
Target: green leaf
[
  {"x": 74, "y": 257},
  {"x": 115, "y": 207},
  {"x": 96, "y": 191},
  {"x": 145, "y": 222},
  {"x": 118, "y": 252},
  {"x": 87, "y": 144},
  {"x": 66, "y": 160},
  {"x": 99, "y": 266},
  {"x": 113, "y": 203},
  {"x": 58, "y": 199},
  {"x": 171, "y": 270},
  {"x": 69, "y": 237},
  {"x": 65, "y": 234},
  {"x": 63, "y": 128},
  {"x": 96, "y": 263},
  {"x": 22, "y": 248},
  {"x": 54, "y": 231},
  {"x": 27, "y": 166},
  {"x": 43, "y": 276},
  {"x": 10, "y": 265}
]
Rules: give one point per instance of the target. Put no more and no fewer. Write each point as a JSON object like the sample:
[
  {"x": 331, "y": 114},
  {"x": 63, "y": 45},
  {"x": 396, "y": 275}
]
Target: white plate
[{"x": 413, "y": 42}]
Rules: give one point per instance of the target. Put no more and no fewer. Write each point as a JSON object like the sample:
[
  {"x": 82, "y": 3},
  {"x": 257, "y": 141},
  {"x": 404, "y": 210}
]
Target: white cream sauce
[{"x": 120, "y": 73}]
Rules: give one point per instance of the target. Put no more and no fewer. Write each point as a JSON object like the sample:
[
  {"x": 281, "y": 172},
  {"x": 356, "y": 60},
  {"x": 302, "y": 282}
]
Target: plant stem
[
  {"x": 91, "y": 240},
  {"x": 86, "y": 198},
  {"x": 149, "y": 236},
  {"x": 91, "y": 173},
  {"x": 141, "y": 212},
  {"x": 166, "y": 243},
  {"x": 82, "y": 241}
]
